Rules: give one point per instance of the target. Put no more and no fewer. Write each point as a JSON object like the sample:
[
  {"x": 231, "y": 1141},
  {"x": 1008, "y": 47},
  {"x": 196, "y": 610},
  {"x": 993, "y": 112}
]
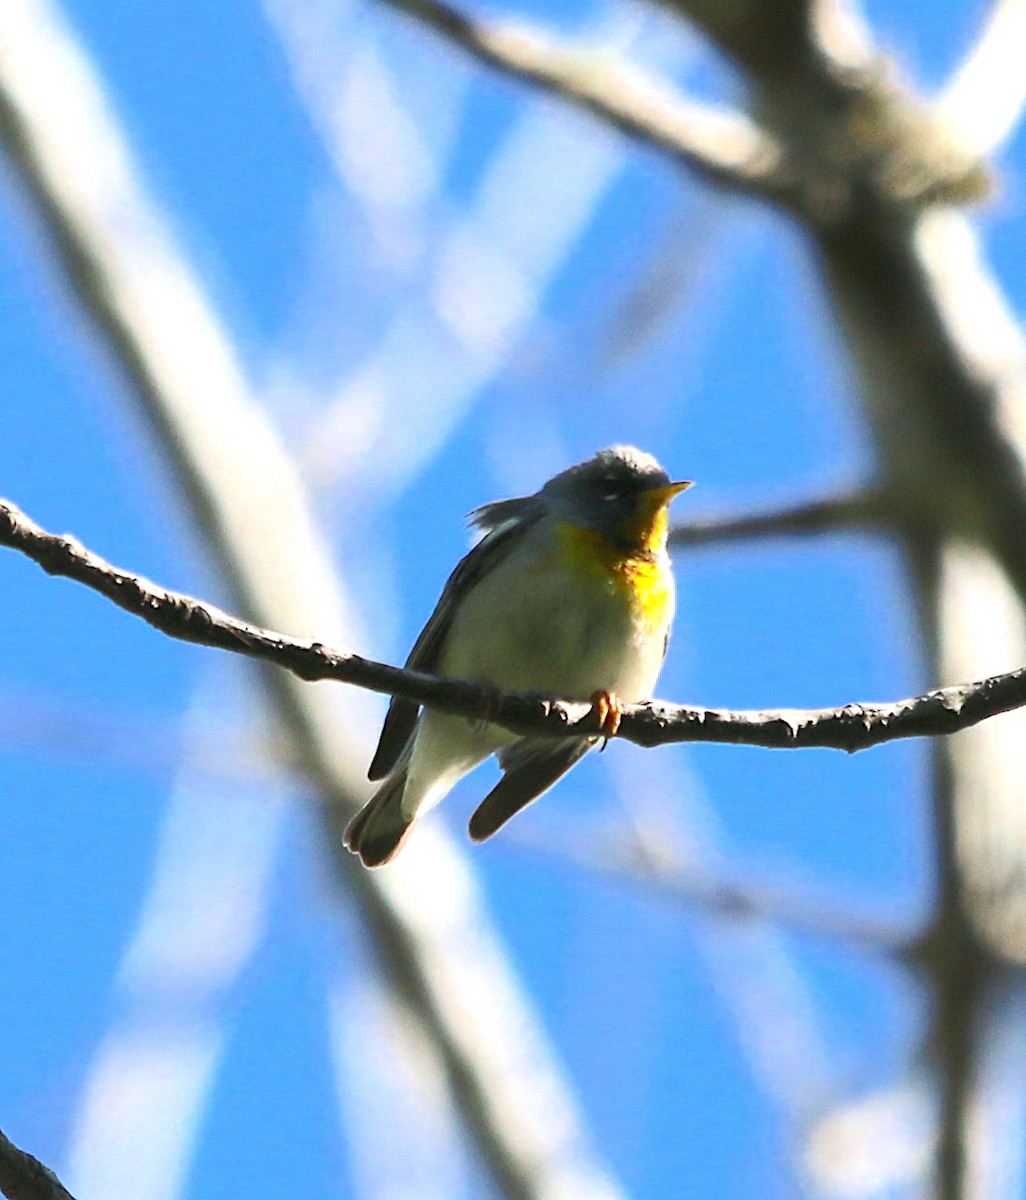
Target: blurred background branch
[
  {"x": 722, "y": 146},
  {"x": 859, "y": 510}
]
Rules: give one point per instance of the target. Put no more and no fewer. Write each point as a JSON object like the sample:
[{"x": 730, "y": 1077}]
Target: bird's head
[{"x": 621, "y": 493}]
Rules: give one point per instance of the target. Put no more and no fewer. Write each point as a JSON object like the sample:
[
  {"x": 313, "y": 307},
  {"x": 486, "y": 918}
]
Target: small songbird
[{"x": 570, "y": 593}]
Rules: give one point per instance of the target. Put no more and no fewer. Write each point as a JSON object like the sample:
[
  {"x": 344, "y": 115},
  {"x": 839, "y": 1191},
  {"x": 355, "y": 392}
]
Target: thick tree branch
[
  {"x": 23, "y": 1177},
  {"x": 721, "y": 145},
  {"x": 851, "y": 727}
]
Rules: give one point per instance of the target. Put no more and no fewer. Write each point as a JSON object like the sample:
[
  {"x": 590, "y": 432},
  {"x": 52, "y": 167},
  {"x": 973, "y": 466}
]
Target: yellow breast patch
[{"x": 643, "y": 580}]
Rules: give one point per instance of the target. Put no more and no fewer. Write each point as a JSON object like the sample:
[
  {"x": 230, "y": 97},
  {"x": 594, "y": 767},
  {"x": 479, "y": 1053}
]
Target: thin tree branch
[
  {"x": 851, "y": 727},
  {"x": 723, "y": 146},
  {"x": 23, "y": 1177},
  {"x": 630, "y": 861},
  {"x": 857, "y": 510}
]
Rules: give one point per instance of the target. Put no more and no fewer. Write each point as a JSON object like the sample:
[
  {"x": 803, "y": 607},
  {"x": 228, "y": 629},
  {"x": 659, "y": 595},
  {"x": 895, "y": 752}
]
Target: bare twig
[
  {"x": 23, "y": 1177},
  {"x": 857, "y": 510},
  {"x": 851, "y": 727},
  {"x": 721, "y": 145}
]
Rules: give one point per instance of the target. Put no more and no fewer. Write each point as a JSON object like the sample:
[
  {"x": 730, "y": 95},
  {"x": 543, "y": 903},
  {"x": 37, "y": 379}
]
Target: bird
[{"x": 569, "y": 592}]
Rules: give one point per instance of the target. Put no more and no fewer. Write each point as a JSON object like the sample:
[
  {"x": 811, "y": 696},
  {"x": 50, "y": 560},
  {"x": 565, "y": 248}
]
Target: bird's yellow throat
[{"x": 632, "y": 566}]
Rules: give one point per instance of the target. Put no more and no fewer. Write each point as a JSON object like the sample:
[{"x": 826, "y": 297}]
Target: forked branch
[{"x": 723, "y": 145}]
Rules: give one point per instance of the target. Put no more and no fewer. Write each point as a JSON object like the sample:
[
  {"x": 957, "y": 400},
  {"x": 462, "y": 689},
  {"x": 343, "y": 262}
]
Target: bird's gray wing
[
  {"x": 530, "y": 767},
  {"x": 503, "y": 537}
]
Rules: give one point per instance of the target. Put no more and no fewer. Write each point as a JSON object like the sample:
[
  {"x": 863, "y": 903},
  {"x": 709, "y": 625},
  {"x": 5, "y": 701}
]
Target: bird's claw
[{"x": 608, "y": 715}]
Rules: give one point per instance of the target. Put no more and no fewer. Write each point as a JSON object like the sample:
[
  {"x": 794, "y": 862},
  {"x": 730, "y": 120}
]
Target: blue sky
[{"x": 362, "y": 204}]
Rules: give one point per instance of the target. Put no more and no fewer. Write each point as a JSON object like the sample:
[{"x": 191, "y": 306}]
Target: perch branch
[
  {"x": 23, "y": 1177},
  {"x": 850, "y": 727}
]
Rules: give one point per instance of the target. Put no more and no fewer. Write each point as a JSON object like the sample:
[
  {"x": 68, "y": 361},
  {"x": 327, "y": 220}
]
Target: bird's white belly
[
  {"x": 529, "y": 627},
  {"x": 532, "y": 625}
]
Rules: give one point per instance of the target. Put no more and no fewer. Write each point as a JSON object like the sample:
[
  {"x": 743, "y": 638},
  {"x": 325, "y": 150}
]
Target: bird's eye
[{"x": 611, "y": 489}]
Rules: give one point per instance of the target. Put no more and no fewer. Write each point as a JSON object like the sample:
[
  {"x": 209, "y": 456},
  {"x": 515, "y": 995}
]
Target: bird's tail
[{"x": 379, "y": 829}]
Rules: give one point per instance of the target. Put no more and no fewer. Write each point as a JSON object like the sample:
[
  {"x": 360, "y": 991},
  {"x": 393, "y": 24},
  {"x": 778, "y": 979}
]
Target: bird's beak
[
  {"x": 663, "y": 495},
  {"x": 648, "y": 522}
]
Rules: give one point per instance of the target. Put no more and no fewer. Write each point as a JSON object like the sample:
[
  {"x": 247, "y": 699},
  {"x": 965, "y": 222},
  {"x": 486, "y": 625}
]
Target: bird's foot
[
  {"x": 608, "y": 714},
  {"x": 486, "y": 707}
]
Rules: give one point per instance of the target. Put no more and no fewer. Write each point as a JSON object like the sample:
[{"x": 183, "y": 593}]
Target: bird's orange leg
[{"x": 608, "y": 713}]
